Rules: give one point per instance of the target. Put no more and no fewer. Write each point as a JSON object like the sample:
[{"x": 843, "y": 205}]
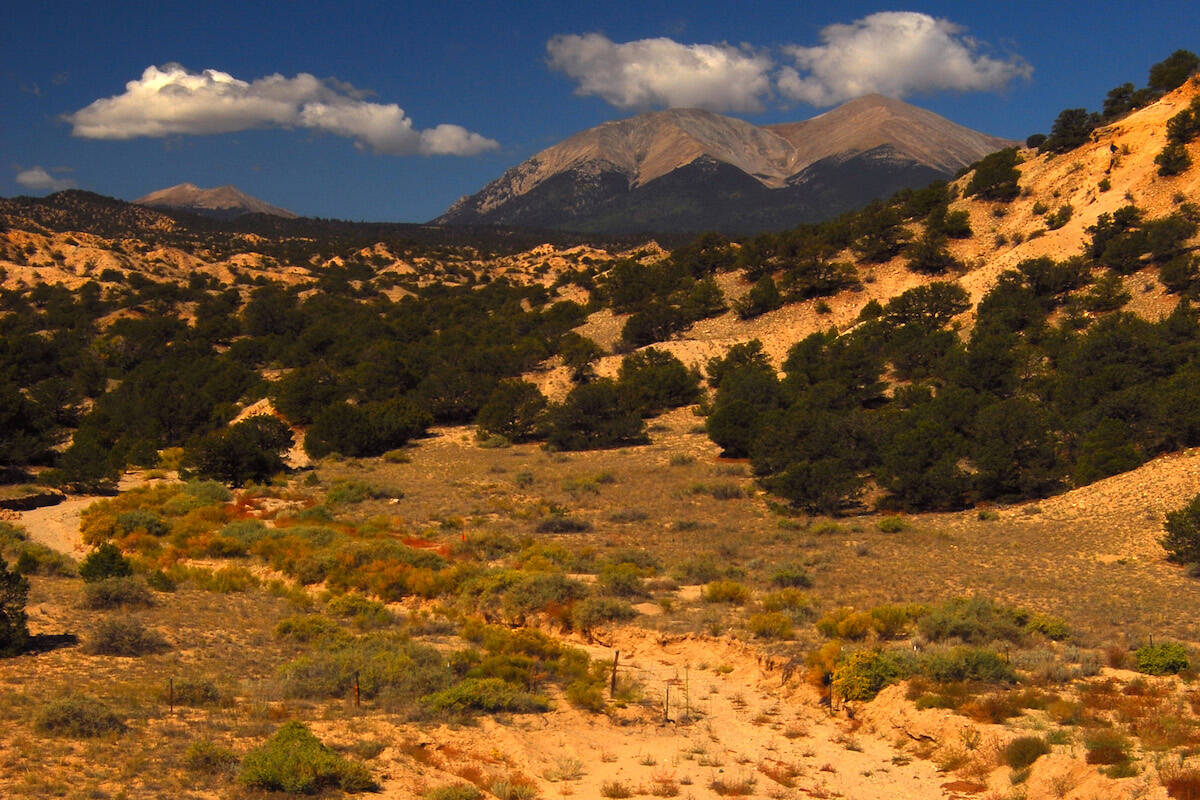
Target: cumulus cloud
[
  {"x": 38, "y": 179},
  {"x": 171, "y": 100},
  {"x": 896, "y": 53},
  {"x": 663, "y": 72}
]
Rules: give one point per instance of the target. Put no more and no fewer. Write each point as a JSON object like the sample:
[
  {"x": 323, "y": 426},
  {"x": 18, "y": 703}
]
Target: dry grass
[
  {"x": 1080, "y": 560},
  {"x": 1101, "y": 543}
]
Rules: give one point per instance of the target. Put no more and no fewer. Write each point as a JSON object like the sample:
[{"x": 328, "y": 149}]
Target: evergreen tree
[
  {"x": 251, "y": 450},
  {"x": 516, "y": 410},
  {"x": 1182, "y": 537},
  {"x": 14, "y": 592}
]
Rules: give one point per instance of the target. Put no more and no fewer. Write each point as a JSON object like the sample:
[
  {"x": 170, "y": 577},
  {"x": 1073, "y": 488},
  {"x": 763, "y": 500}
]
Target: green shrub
[
  {"x": 1060, "y": 217},
  {"x": 11, "y": 536},
  {"x": 704, "y": 569},
  {"x": 1164, "y": 658},
  {"x": 350, "y": 492},
  {"x": 1050, "y": 627},
  {"x": 726, "y": 591},
  {"x": 621, "y": 580},
  {"x": 562, "y": 524},
  {"x": 863, "y": 673},
  {"x": 966, "y": 664},
  {"x": 145, "y": 521},
  {"x": 309, "y": 628},
  {"x": 770, "y": 625},
  {"x": 891, "y": 525},
  {"x": 195, "y": 692},
  {"x": 226, "y": 580},
  {"x": 974, "y": 620},
  {"x": 894, "y": 620},
  {"x": 295, "y": 761},
  {"x": 78, "y": 717},
  {"x": 105, "y": 561},
  {"x": 845, "y": 623},
  {"x": 794, "y": 602},
  {"x": 591, "y": 612},
  {"x": 37, "y": 559},
  {"x": 209, "y": 758},
  {"x": 791, "y": 577},
  {"x": 124, "y": 637},
  {"x": 207, "y": 492},
  {"x": 246, "y": 532},
  {"x": 1021, "y": 752},
  {"x": 485, "y": 694},
  {"x": 586, "y": 695},
  {"x": 364, "y": 612},
  {"x": 116, "y": 593},
  {"x": 386, "y": 666},
  {"x": 726, "y": 491}
]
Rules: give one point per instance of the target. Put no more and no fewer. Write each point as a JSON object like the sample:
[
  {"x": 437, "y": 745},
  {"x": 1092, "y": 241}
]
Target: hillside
[
  {"x": 686, "y": 169},
  {"x": 870, "y": 508},
  {"x": 1003, "y": 235}
]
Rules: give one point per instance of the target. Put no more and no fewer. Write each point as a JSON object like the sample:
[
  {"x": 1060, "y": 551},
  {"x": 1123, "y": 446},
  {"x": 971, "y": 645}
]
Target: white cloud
[
  {"x": 171, "y": 100},
  {"x": 38, "y": 179},
  {"x": 663, "y": 72},
  {"x": 895, "y": 53}
]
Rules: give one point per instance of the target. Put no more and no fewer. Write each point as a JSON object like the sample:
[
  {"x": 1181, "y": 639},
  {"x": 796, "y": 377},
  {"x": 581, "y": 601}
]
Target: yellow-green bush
[
  {"x": 725, "y": 591},
  {"x": 295, "y": 761},
  {"x": 846, "y": 623},
  {"x": 770, "y": 625}
]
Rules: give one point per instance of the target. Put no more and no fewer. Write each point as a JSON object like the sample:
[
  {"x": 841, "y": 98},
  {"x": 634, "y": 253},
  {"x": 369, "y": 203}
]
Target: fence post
[
  {"x": 357, "y": 704},
  {"x": 612, "y": 686},
  {"x": 687, "y": 693}
]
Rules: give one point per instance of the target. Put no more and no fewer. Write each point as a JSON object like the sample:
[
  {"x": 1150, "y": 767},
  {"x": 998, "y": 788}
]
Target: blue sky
[{"x": 361, "y": 140}]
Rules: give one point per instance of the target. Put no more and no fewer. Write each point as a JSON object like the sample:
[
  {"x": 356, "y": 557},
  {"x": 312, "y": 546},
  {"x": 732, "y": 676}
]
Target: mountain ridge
[{"x": 611, "y": 163}]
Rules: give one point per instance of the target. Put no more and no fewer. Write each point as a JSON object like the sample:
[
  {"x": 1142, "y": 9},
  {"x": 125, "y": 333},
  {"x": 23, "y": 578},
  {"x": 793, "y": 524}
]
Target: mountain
[
  {"x": 686, "y": 169},
  {"x": 222, "y": 202}
]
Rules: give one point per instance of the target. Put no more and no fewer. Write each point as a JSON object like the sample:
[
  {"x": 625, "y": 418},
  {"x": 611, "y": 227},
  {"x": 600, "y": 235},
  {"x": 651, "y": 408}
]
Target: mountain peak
[
  {"x": 585, "y": 175},
  {"x": 223, "y": 202}
]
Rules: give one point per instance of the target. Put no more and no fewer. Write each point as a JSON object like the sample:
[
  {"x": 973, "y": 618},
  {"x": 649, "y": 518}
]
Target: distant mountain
[
  {"x": 222, "y": 202},
  {"x": 687, "y": 170}
]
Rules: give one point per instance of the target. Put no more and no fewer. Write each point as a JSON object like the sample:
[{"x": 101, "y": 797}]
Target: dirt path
[
  {"x": 748, "y": 734},
  {"x": 57, "y": 526}
]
